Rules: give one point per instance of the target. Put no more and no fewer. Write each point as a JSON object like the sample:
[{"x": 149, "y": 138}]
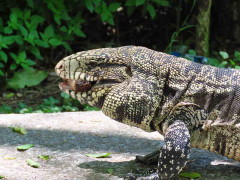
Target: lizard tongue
[{"x": 76, "y": 85}]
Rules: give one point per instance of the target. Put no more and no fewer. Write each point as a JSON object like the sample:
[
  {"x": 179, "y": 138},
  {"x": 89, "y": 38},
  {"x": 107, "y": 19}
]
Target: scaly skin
[{"x": 191, "y": 104}]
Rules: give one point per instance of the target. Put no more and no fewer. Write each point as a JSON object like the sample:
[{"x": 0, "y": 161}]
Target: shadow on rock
[
  {"x": 69, "y": 140},
  {"x": 120, "y": 169}
]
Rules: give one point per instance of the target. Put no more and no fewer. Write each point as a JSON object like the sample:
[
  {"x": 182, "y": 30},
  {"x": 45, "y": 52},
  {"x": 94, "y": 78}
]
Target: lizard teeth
[
  {"x": 84, "y": 94},
  {"x": 94, "y": 95},
  {"x": 83, "y": 76}
]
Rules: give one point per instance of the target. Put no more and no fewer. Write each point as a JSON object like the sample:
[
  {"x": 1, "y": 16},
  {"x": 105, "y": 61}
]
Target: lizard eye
[
  {"x": 92, "y": 63},
  {"x": 129, "y": 71}
]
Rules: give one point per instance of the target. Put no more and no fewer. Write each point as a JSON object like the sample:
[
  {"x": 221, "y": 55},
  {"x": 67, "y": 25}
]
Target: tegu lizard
[{"x": 191, "y": 104}]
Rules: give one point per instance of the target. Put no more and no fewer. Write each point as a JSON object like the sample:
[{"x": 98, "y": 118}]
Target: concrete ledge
[{"x": 67, "y": 137}]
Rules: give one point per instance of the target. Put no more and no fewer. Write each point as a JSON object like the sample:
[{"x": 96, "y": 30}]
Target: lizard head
[
  {"x": 89, "y": 75},
  {"x": 121, "y": 81}
]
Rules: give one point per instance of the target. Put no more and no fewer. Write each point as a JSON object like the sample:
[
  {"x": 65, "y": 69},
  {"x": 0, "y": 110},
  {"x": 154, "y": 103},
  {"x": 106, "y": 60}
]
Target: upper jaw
[{"x": 65, "y": 74}]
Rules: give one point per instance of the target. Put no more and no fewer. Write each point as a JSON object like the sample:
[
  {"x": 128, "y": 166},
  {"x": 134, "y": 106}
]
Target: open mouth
[
  {"x": 77, "y": 85},
  {"x": 85, "y": 86}
]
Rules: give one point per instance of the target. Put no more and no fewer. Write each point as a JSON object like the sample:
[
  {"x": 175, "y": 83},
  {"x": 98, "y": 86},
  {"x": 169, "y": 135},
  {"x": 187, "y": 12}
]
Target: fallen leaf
[
  {"x": 25, "y": 147},
  {"x": 190, "y": 175},
  {"x": 33, "y": 163},
  {"x": 102, "y": 155},
  {"x": 44, "y": 157},
  {"x": 10, "y": 158},
  {"x": 19, "y": 130}
]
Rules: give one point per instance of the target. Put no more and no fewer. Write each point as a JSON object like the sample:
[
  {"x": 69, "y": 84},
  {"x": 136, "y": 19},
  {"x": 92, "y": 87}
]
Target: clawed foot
[{"x": 150, "y": 159}]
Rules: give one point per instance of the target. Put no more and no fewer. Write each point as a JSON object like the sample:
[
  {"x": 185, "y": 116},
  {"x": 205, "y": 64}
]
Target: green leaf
[
  {"x": 35, "y": 21},
  {"x": 102, "y": 155},
  {"x": 27, "y": 77},
  {"x": 79, "y": 32},
  {"x": 33, "y": 163},
  {"x": 110, "y": 171},
  {"x": 57, "y": 18},
  {"x": 23, "y": 31},
  {"x": 8, "y": 30},
  {"x": 224, "y": 54},
  {"x": 19, "y": 130},
  {"x": 13, "y": 66},
  {"x": 190, "y": 175},
  {"x": 110, "y": 20},
  {"x": 89, "y": 5},
  {"x": 63, "y": 29},
  {"x": 26, "y": 14},
  {"x": 55, "y": 42},
  {"x": 192, "y": 52},
  {"x": 19, "y": 39},
  {"x": 114, "y": 6},
  {"x": 237, "y": 54},
  {"x": 8, "y": 39},
  {"x": 30, "y": 3},
  {"x": 66, "y": 45},
  {"x": 36, "y": 52},
  {"x": 25, "y": 147},
  {"x": 223, "y": 64},
  {"x": 17, "y": 12},
  {"x": 104, "y": 16},
  {"x": 3, "y": 56},
  {"x": 41, "y": 43},
  {"x": 151, "y": 10},
  {"x": 13, "y": 18},
  {"x": 139, "y": 2},
  {"x": 44, "y": 157},
  {"x": 22, "y": 55},
  {"x": 237, "y": 67},
  {"x": 48, "y": 33},
  {"x": 2, "y": 177}
]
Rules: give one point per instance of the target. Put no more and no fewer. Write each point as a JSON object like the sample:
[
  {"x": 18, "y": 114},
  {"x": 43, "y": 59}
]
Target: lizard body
[{"x": 191, "y": 104}]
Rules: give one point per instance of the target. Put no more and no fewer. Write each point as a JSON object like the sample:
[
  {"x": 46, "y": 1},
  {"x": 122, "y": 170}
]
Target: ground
[{"x": 68, "y": 137}]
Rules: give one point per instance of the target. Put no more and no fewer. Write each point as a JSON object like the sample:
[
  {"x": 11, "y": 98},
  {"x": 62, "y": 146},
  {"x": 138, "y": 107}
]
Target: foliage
[
  {"x": 31, "y": 30},
  {"x": 49, "y": 105},
  {"x": 184, "y": 26},
  {"x": 224, "y": 60}
]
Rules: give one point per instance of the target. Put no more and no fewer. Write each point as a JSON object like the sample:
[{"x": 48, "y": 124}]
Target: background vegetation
[{"x": 35, "y": 34}]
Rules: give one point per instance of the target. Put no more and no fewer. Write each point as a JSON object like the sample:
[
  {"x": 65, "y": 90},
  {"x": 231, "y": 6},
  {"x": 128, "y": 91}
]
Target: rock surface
[{"x": 68, "y": 137}]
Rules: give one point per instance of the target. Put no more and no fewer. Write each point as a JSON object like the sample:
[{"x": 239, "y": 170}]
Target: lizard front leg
[{"x": 174, "y": 154}]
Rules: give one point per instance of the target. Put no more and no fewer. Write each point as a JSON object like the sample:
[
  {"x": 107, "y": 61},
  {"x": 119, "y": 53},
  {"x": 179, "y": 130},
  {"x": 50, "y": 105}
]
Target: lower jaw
[{"x": 84, "y": 97}]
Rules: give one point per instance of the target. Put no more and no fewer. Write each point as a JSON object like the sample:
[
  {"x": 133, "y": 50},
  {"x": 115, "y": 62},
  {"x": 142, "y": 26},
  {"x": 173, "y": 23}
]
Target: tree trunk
[{"x": 203, "y": 26}]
